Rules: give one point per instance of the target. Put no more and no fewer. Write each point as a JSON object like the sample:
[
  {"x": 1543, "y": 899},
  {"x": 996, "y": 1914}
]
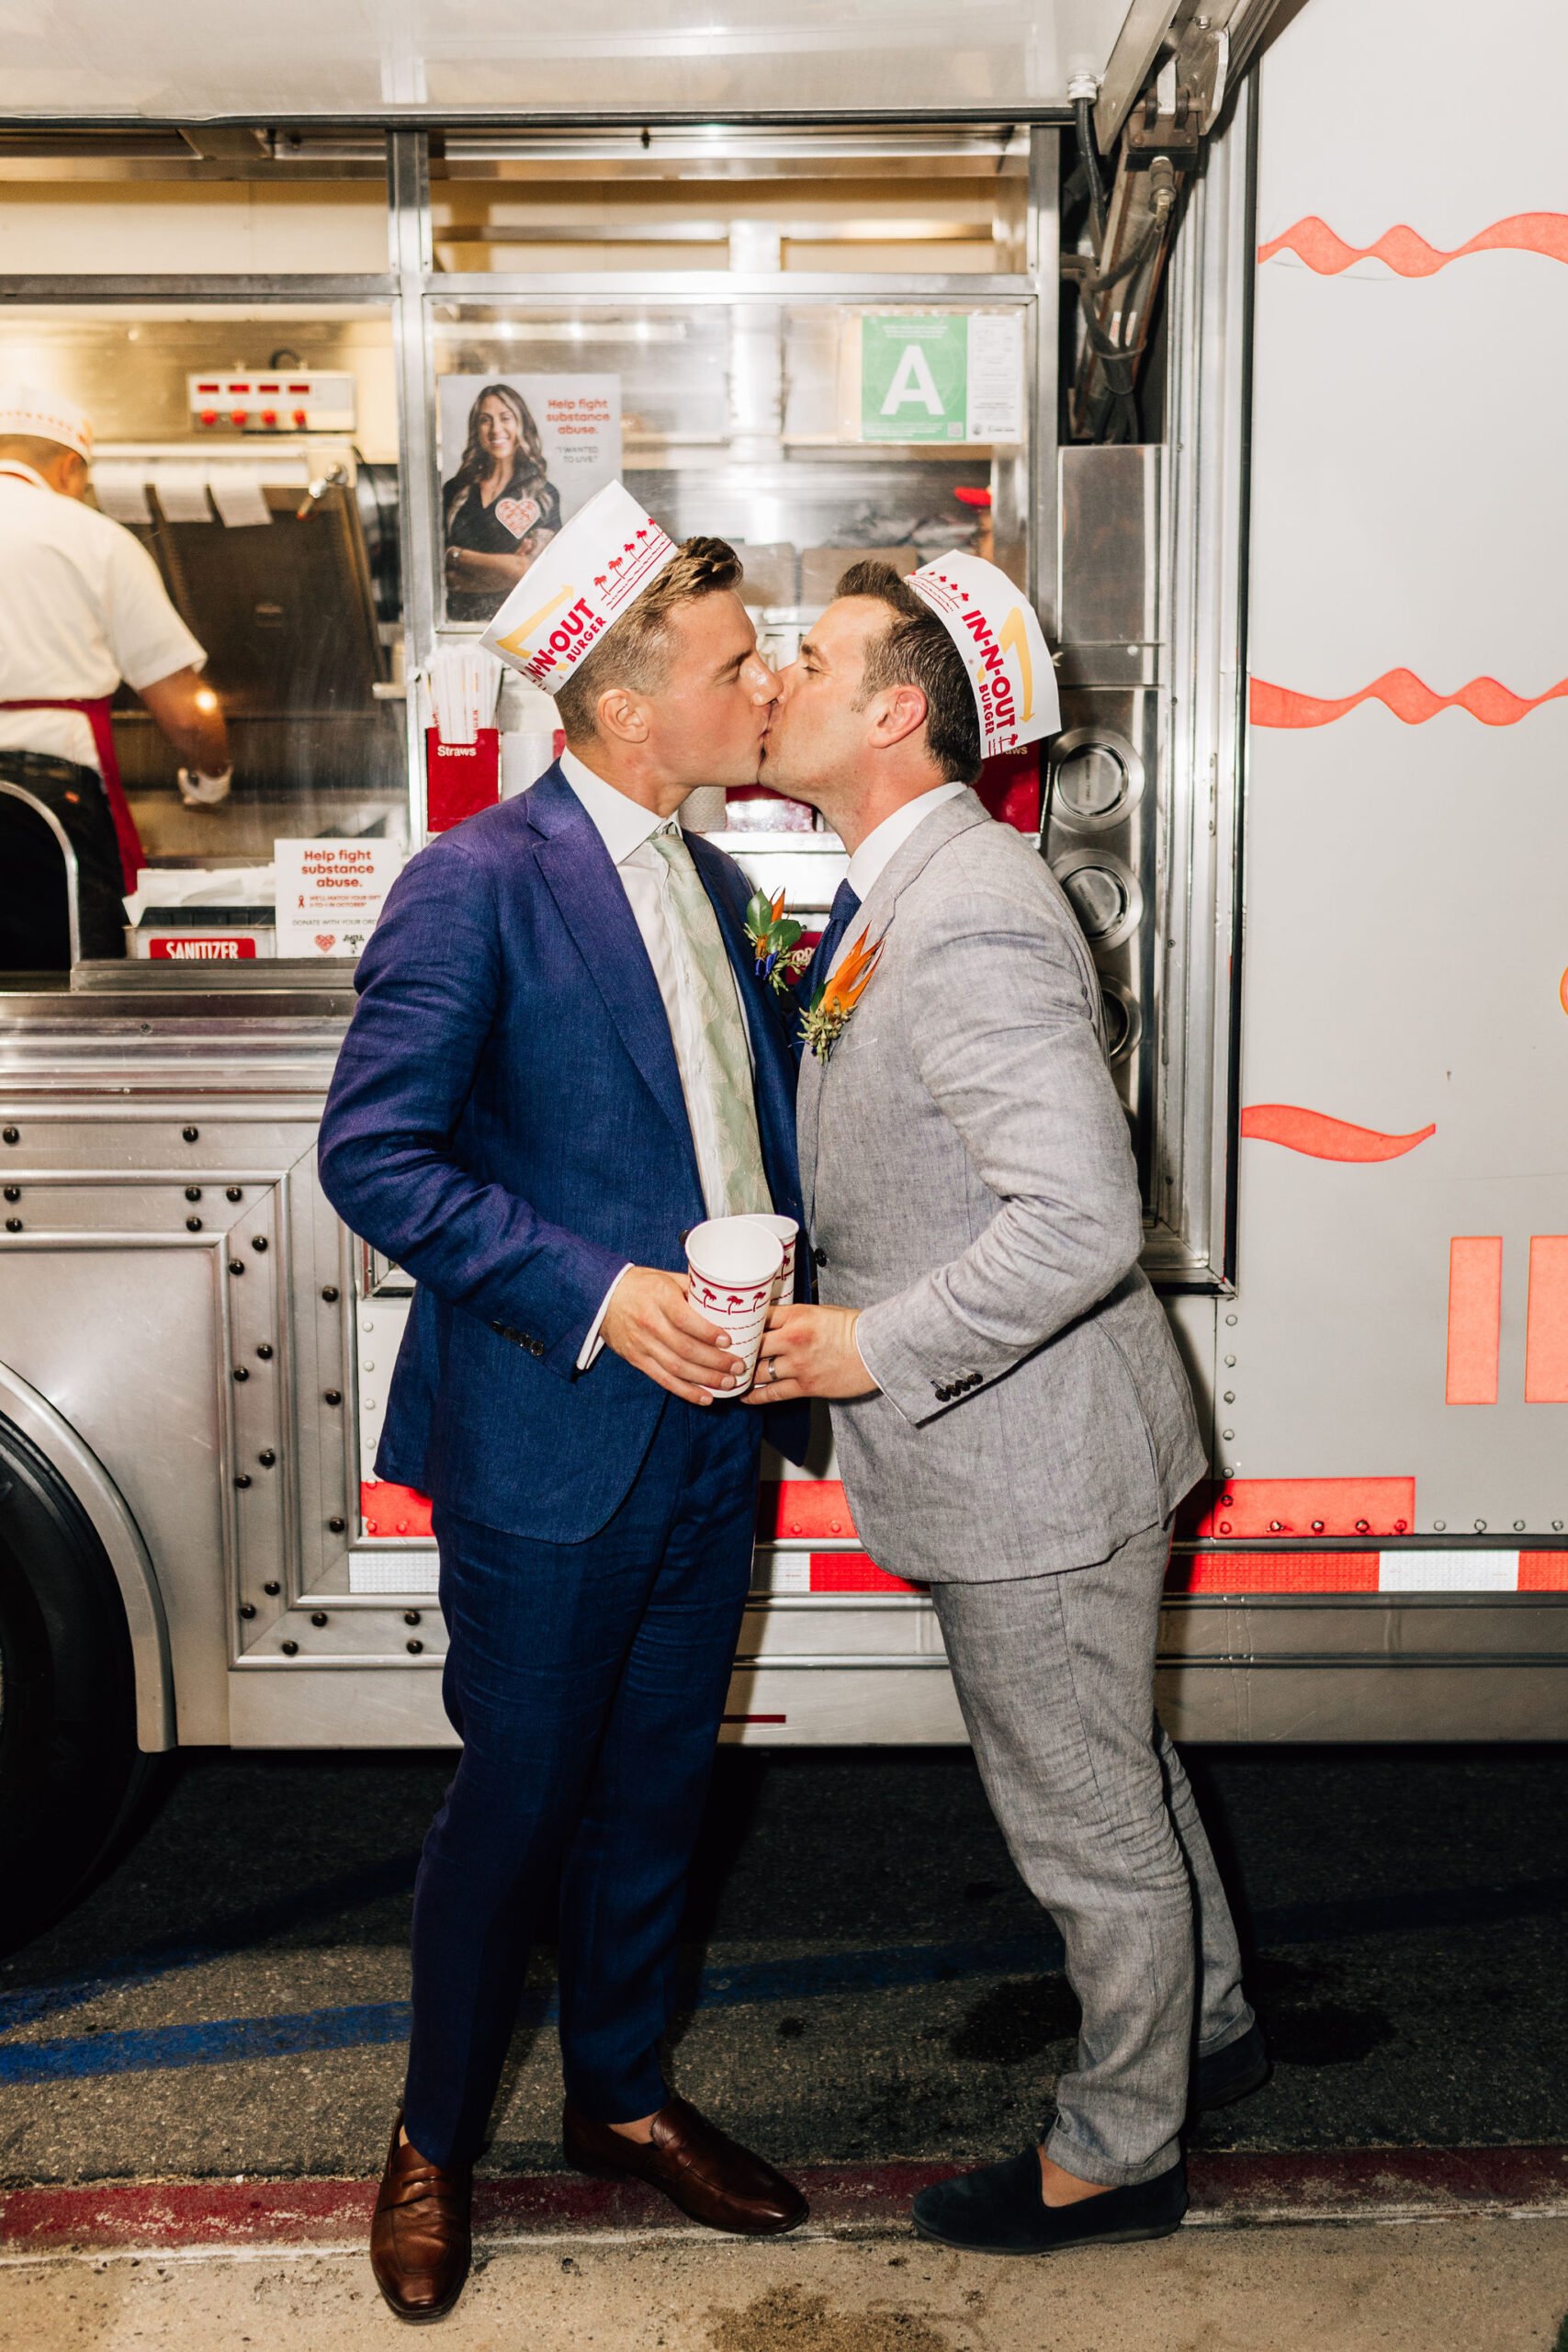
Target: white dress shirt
[
  {"x": 627, "y": 830},
  {"x": 82, "y": 606},
  {"x": 877, "y": 850}
]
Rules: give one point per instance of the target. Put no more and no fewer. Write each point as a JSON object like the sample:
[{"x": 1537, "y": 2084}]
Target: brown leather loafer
[
  {"x": 708, "y": 2176},
  {"x": 420, "y": 2245}
]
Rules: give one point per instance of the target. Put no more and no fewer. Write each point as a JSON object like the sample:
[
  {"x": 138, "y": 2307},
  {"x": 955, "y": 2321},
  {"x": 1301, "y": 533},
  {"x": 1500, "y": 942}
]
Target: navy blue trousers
[{"x": 586, "y": 1682}]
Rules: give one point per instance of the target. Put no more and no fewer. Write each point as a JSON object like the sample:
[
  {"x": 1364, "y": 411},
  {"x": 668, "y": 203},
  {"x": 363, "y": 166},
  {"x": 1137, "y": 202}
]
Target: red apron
[{"x": 96, "y": 711}]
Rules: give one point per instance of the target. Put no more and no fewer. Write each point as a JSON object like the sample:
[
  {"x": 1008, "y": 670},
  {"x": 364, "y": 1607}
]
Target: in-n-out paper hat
[
  {"x": 46, "y": 416},
  {"x": 590, "y": 573},
  {"x": 994, "y": 626}
]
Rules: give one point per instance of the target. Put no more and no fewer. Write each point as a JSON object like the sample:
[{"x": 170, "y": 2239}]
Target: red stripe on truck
[
  {"x": 386, "y": 1509},
  {"x": 1250, "y": 1507},
  {"x": 803, "y": 1508},
  {"x": 1274, "y": 1572},
  {"x": 853, "y": 1572}
]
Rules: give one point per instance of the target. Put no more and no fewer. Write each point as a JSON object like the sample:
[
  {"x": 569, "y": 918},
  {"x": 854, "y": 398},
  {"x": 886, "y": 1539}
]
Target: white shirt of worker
[
  {"x": 627, "y": 830},
  {"x": 82, "y": 606}
]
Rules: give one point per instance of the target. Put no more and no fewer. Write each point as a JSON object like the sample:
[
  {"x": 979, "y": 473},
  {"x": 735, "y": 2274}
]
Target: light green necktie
[{"x": 719, "y": 1019}]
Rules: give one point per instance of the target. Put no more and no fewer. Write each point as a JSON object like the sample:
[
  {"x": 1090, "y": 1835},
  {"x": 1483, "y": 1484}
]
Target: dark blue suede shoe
[
  {"x": 1000, "y": 2210},
  {"x": 1241, "y": 2067}
]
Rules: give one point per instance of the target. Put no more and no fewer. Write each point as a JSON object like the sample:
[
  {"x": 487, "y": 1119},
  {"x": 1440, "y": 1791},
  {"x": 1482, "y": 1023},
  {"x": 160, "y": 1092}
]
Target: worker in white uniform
[{"x": 81, "y": 608}]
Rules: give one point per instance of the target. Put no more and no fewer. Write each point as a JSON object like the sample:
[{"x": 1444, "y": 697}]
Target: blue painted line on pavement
[
  {"x": 225, "y": 2042},
  {"x": 806, "y": 1977}
]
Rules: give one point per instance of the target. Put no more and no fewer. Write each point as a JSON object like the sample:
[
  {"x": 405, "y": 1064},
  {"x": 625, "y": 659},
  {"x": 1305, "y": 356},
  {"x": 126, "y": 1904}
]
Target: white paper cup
[
  {"x": 734, "y": 1263},
  {"x": 787, "y": 1230}
]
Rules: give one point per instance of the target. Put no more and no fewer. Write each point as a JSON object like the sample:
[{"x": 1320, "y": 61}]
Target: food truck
[{"x": 1193, "y": 323}]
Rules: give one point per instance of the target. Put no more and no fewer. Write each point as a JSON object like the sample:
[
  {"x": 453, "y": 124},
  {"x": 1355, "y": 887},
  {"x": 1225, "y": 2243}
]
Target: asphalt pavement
[{"x": 865, "y": 1979}]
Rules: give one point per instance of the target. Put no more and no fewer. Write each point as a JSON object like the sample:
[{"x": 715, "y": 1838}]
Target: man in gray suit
[{"x": 1012, "y": 1418}]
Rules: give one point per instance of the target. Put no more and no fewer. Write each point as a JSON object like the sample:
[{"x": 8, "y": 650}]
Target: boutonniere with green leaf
[
  {"x": 828, "y": 1015},
  {"x": 776, "y": 939}
]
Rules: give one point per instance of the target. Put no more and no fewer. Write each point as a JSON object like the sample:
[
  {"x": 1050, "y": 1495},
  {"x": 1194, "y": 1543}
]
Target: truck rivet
[
  {"x": 193, "y": 1225},
  {"x": 318, "y": 1616},
  {"x": 13, "y": 1134},
  {"x": 1230, "y": 1318},
  {"x": 1481, "y": 1527},
  {"x": 1224, "y": 1527},
  {"x": 13, "y": 1192},
  {"x": 272, "y": 1585},
  {"x": 329, "y": 1294},
  {"x": 1557, "y": 1527},
  {"x": 244, "y": 1478},
  {"x": 410, "y": 1617},
  {"x": 13, "y": 1225},
  {"x": 290, "y": 1650},
  {"x": 336, "y": 1524},
  {"x": 1227, "y": 1502},
  {"x": 259, "y": 1241},
  {"x": 247, "y": 1608},
  {"x": 190, "y": 1133},
  {"x": 1276, "y": 1526},
  {"x": 240, "y": 1372},
  {"x": 1227, "y": 1434},
  {"x": 331, "y": 1396},
  {"x": 1439, "y": 1527},
  {"x": 264, "y": 1352},
  {"x": 236, "y": 1265},
  {"x": 1317, "y": 1527},
  {"x": 1229, "y": 1397},
  {"x": 1401, "y": 1526},
  {"x": 1518, "y": 1527},
  {"x": 1362, "y": 1528},
  {"x": 415, "y": 1648},
  {"x": 193, "y": 1191},
  {"x": 267, "y": 1457}
]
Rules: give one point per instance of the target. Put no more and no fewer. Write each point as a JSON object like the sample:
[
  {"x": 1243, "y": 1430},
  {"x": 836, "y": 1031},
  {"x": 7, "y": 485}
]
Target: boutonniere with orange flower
[
  {"x": 775, "y": 942},
  {"x": 828, "y": 1015}
]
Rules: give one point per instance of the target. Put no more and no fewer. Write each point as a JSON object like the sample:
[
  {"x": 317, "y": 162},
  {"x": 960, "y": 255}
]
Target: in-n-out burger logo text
[
  {"x": 998, "y": 710},
  {"x": 575, "y": 630}
]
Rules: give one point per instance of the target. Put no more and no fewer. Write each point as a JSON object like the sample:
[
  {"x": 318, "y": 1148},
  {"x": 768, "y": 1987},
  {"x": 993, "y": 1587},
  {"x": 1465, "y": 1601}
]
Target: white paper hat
[
  {"x": 995, "y": 628},
  {"x": 591, "y": 571},
  {"x": 46, "y": 416}
]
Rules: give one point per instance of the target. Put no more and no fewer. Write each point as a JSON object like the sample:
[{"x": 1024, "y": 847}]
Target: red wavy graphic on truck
[
  {"x": 1409, "y": 256},
  {"x": 1320, "y": 1137},
  {"x": 1401, "y": 691}
]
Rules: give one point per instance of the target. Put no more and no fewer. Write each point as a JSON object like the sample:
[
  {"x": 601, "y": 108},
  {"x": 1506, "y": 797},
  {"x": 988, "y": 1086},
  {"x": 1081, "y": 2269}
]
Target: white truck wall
[{"x": 1406, "y": 864}]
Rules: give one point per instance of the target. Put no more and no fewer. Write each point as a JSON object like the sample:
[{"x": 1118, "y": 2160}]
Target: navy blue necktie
[{"x": 841, "y": 913}]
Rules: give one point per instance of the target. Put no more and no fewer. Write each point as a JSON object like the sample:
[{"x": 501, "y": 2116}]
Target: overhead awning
[{"x": 185, "y": 60}]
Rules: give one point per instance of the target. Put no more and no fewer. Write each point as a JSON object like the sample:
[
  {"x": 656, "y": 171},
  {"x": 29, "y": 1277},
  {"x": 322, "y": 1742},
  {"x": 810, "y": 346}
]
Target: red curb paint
[{"x": 1357, "y": 2182}]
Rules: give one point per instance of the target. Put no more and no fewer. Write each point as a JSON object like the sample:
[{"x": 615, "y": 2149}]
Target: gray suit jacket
[{"x": 970, "y": 1186}]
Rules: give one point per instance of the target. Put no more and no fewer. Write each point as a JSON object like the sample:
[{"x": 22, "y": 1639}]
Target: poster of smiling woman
[{"x": 519, "y": 456}]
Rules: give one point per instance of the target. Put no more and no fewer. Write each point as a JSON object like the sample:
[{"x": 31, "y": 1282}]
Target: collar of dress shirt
[
  {"x": 880, "y": 843},
  {"x": 624, "y": 824}
]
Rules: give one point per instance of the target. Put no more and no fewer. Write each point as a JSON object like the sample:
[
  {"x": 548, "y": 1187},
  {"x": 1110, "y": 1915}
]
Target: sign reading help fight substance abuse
[
  {"x": 330, "y": 893},
  {"x": 933, "y": 377}
]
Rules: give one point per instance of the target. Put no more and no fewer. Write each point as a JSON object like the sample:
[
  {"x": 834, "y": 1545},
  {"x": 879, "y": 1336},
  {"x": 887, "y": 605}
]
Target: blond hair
[{"x": 635, "y": 655}]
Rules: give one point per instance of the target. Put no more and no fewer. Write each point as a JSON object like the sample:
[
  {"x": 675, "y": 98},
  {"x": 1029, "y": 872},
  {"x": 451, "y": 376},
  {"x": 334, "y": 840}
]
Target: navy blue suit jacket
[{"x": 506, "y": 1122}]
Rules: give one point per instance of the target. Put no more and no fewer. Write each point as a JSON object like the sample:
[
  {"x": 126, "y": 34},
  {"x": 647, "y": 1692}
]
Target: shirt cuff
[{"x": 590, "y": 1346}]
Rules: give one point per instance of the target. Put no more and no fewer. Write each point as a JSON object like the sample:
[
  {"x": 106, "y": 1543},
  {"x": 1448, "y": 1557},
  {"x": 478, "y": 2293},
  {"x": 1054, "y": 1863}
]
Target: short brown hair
[
  {"x": 636, "y": 652},
  {"x": 914, "y": 649},
  {"x": 33, "y": 449}
]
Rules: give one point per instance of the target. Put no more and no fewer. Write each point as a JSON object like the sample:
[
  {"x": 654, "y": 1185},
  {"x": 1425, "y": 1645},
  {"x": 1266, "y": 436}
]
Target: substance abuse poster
[{"x": 576, "y": 421}]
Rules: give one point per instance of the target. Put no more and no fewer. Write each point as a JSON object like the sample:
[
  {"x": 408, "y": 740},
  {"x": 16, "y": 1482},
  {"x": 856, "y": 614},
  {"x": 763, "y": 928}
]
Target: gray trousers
[{"x": 1056, "y": 1678}]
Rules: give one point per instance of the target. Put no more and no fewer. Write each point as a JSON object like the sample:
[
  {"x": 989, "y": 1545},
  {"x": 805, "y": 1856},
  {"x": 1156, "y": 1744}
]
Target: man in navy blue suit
[{"x": 561, "y": 1060}]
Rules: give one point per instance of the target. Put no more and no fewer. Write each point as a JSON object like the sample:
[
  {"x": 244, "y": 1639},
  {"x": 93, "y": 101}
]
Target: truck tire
[{"x": 71, "y": 1773}]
